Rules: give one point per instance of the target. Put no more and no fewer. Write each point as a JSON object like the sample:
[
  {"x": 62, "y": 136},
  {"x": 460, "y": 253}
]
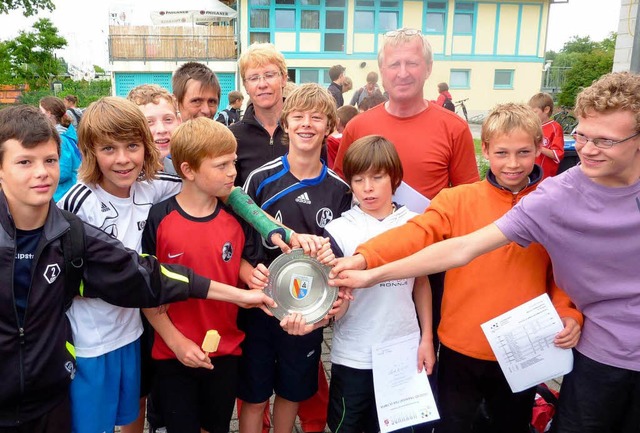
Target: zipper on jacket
[{"x": 271, "y": 140}]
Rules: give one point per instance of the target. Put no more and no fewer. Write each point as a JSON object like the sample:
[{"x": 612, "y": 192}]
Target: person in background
[
  {"x": 231, "y": 114},
  {"x": 371, "y": 101},
  {"x": 161, "y": 110},
  {"x": 336, "y": 74},
  {"x": 444, "y": 97},
  {"x": 367, "y": 90},
  {"x": 552, "y": 150},
  {"x": 197, "y": 90},
  {"x": 74, "y": 113},
  {"x": 70, "y": 158},
  {"x": 347, "y": 85},
  {"x": 345, "y": 114}
]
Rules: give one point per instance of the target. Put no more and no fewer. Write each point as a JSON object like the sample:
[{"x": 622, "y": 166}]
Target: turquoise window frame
[
  {"x": 322, "y": 75},
  {"x": 377, "y": 9},
  {"x": 297, "y": 7},
  {"x": 503, "y": 86},
  {"x": 443, "y": 10},
  {"x": 474, "y": 15},
  {"x": 453, "y": 84}
]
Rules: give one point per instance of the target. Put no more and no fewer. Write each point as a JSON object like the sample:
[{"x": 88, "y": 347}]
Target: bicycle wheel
[{"x": 568, "y": 124}]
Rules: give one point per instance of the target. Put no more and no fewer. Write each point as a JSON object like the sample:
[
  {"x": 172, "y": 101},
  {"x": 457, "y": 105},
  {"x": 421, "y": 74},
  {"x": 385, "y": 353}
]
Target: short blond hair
[
  {"x": 309, "y": 97},
  {"x": 401, "y": 38},
  {"x": 542, "y": 100},
  {"x": 114, "y": 119},
  {"x": 617, "y": 91},
  {"x": 200, "y": 138},
  {"x": 151, "y": 94},
  {"x": 260, "y": 55},
  {"x": 507, "y": 118},
  {"x": 373, "y": 152}
]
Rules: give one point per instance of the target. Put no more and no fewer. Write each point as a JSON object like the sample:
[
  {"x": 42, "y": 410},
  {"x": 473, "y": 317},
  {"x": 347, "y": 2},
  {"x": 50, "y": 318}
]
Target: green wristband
[{"x": 246, "y": 208}]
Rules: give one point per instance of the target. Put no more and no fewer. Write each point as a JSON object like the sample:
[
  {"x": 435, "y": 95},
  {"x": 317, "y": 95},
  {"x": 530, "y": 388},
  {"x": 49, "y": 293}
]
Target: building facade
[{"x": 488, "y": 51}]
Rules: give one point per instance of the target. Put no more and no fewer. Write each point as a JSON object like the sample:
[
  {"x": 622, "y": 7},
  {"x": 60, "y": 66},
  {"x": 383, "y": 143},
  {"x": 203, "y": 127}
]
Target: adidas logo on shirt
[
  {"x": 104, "y": 207},
  {"x": 303, "y": 198}
]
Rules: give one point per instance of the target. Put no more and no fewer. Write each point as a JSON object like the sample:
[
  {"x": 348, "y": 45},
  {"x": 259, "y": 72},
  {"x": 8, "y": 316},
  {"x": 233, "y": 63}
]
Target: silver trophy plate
[{"x": 299, "y": 284}]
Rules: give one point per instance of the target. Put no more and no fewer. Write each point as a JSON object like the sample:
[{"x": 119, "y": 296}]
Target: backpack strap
[
  {"x": 73, "y": 251},
  {"x": 544, "y": 392},
  {"x": 225, "y": 115}
]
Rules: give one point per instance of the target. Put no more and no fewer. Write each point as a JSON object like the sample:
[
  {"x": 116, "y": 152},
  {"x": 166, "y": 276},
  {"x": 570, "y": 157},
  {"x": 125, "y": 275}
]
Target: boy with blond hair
[
  {"x": 195, "y": 229},
  {"x": 552, "y": 149},
  {"x": 161, "y": 110},
  {"x": 300, "y": 191},
  {"x": 485, "y": 288}
]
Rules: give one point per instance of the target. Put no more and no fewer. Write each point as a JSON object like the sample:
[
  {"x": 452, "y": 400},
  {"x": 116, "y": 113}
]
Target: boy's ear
[
  {"x": 485, "y": 149},
  {"x": 187, "y": 171},
  {"x": 547, "y": 110}
]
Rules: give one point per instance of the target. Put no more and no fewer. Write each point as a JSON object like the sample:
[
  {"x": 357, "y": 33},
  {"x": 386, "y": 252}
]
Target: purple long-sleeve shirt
[{"x": 592, "y": 234}]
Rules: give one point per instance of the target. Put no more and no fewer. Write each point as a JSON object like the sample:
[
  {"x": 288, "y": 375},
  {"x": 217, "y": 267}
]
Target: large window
[
  {"x": 326, "y": 16},
  {"x": 436, "y": 17},
  {"x": 309, "y": 75},
  {"x": 503, "y": 79},
  {"x": 460, "y": 79},
  {"x": 376, "y": 16},
  {"x": 464, "y": 17}
]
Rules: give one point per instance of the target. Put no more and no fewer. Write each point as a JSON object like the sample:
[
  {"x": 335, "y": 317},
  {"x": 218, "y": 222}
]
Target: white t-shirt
[
  {"x": 378, "y": 313},
  {"x": 99, "y": 327}
]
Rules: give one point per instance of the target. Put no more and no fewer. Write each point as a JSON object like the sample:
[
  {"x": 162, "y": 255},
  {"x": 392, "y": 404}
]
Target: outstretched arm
[{"x": 450, "y": 253}]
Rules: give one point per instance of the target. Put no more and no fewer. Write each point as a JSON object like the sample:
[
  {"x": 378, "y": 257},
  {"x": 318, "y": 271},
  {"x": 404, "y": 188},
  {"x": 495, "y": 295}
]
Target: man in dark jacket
[
  {"x": 36, "y": 348},
  {"x": 336, "y": 74}
]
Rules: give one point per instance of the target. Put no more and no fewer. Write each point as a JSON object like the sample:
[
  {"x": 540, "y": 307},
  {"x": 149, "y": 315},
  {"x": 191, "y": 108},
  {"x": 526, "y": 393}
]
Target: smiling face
[
  {"x": 198, "y": 101},
  {"x": 511, "y": 158},
  {"x": 306, "y": 130},
  {"x": 618, "y": 165},
  {"x": 373, "y": 190},
  {"x": 404, "y": 71},
  {"x": 265, "y": 93},
  {"x": 215, "y": 176},
  {"x": 162, "y": 121},
  {"x": 29, "y": 177},
  {"x": 120, "y": 164}
]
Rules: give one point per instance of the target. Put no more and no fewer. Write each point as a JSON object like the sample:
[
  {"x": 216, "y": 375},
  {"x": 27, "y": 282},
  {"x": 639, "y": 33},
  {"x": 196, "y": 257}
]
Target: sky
[{"x": 85, "y": 24}]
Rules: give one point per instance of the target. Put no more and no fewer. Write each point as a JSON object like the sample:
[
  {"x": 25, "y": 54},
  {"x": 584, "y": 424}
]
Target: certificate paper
[
  {"x": 522, "y": 340},
  {"x": 403, "y": 396},
  {"x": 412, "y": 199}
]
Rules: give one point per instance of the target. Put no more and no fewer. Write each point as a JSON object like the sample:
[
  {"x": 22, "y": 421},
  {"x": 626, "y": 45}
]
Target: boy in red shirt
[{"x": 552, "y": 149}]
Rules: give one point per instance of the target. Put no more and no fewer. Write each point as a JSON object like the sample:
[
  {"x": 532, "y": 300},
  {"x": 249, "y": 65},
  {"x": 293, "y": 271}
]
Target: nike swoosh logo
[{"x": 173, "y": 256}]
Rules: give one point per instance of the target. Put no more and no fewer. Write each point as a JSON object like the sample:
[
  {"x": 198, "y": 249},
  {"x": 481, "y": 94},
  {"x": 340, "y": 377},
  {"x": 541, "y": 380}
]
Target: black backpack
[
  {"x": 73, "y": 251},
  {"x": 449, "y": 105}
]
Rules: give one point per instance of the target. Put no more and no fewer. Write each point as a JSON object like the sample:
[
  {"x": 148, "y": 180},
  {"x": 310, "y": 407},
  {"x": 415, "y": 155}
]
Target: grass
[{"x": 483, "y": 164}]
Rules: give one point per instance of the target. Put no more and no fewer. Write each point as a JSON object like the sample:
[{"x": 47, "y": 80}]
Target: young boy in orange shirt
[
  {"x": 488, "y": 286},
  {"x": 552, "y": 149}
]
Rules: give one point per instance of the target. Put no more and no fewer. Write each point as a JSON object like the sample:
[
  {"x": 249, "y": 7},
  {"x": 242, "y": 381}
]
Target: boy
[
  {"x": 552, "y": 149},
  {"x": 197, "y": 90},
  {"x": 485, "y": 288},
  {"x": 373, "y": 169},
  {"x": 302, "y": 193},
  {"x": 37, "y": 350},
  {"x": 231, "y": 114},
  {"x": 345, "y": 114},
  {"x": 160, "y": 108},
  {"x": 195, "y": 229}
]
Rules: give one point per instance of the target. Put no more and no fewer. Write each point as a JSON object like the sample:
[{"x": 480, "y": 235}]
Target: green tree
[
  {"x": 30, "y": 6},
  {"x": 31, "y": 55}
]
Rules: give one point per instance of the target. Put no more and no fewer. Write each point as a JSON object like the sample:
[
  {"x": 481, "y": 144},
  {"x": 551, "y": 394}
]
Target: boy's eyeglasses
[
  {"x": 268, "y": 77},
  {"x": 402, "y": 31},
  {"x": 602, "y": 143}
]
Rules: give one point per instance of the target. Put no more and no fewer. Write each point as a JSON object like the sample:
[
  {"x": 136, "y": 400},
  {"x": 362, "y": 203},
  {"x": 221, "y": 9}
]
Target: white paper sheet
[
  {"x": 411, "y": 198},
  {"x": 403, "y": 396},
  {"x": 522, "y": 340}
]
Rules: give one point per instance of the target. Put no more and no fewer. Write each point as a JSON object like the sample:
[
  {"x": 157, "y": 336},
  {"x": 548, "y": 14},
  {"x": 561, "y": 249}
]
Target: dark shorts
[
  {"x": 273, "y": 360},
  {"x": 188, "y": 399},
  {"x": 352, "y": 403},
  {"x": 598, "y": 398}
]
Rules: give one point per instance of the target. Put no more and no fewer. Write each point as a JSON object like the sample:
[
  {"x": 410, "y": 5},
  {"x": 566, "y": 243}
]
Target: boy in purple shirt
[{"x": 586, "y": 219}]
